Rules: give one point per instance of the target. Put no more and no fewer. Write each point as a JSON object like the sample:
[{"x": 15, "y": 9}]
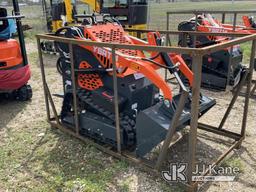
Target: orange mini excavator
[
  {"x": 14, "y": 68},
  {"x": 208, "y": 23},
  {"x": 216, "y": 73},
  {"x": 249, "y": 23},
  {"x": 146, "y": 102}
]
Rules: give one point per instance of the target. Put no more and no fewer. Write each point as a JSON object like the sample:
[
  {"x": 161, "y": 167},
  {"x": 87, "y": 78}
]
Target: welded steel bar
[
  {"x": 231, "y": 53},
  {"x": 234, "y": 98},
  {"x": 117, "y": 119},
  {"x": 167, "y": 21},
  {"x": 73, "y": 78},
  {"x": 167, "y": 28},
  {"x": 172, "y": 129},
  {"x": 197, "y": 61},
  {"x": 139, "y": 35},
  {"x": 16, "y": 17},
  {"x": 52, "y": 104},
  {"x": 253, "y": 90},
  {"x": 146, "y": 165},
  {"x": 183, "y": 40},
  {"x": 165, "y": 75},
  {"x": 168, "y": 40},
  {"x": 86, "y": 140},
  {"x": 223, "y": 18},
  {"x": 48, "y": 113},
  {"x": 248, "y": 88},
  {"x": 211, "y": 11},
  {"x": 234, "y": 21},
  {"x": 194, "y": 37},
  {"x": 16, "y": 11},
  {"x": 223, "y": 132},
  {"x": 197, "y": 33},
  {"x": 217, "y": 47},
  {"x": 220, "y": 158},
  {"x": 184, "y": 50},
  {"x": 166, "y": 44},
  {"x": 229, "y": 68}
]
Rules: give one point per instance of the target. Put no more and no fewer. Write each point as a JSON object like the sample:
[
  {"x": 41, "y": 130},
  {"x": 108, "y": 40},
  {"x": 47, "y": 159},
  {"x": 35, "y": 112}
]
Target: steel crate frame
[
  {"x": 197, "y": 54},
  {"x": 199, "y": 11},
  {"x": 184, "y": 35},
  {"x": 223, "y": 13}
]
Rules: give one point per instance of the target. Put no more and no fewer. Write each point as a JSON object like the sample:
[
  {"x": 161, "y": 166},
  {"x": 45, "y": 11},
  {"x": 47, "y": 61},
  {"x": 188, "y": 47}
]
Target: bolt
[{"x": 167, "y": 103}]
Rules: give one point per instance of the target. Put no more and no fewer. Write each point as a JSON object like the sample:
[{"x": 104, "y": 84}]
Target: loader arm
[
  {"x": 129, "y": 62},
  {"x": 174, "y": 59},
  {"x": 143, "y": 67},
  {"x": 147, "y": 67}
]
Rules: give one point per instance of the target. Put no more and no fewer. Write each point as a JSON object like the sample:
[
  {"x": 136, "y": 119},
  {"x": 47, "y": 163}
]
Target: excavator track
[{"x": 127, "y": 124}]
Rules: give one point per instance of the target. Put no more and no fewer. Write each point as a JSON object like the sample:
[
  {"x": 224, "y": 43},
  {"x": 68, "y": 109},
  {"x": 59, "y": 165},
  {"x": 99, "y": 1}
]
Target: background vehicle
[
  {"x": 14, "y": 68},
  {"x": 130, "y": 13}
]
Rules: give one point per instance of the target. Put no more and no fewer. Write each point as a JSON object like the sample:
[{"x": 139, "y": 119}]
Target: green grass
[
  {"x": 157, "y": 12},
  {"x": 55, "y": 162},
  {"x": 234, "y": 162},
  {"x": 34, "y": 157},
  {"x": 246, "y": 47}
]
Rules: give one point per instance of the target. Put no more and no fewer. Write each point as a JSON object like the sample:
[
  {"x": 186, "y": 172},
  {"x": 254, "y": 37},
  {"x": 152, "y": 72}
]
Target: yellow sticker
[{"x": 135, "y": 66}]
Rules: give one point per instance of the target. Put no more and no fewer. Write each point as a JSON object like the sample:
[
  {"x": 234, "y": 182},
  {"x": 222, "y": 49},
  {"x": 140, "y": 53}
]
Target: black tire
[
  {"x": 24, "y": 93},
  {"x": 42, "y": 45}
]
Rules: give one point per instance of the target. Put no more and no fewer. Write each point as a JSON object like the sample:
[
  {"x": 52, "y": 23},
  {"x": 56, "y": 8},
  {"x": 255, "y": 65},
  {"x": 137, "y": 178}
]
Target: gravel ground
[{"x": 34, "y": 157}]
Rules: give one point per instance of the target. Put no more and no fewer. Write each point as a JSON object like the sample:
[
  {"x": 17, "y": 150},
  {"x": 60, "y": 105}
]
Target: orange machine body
[
  {"x": 128, "y": 61},
  {"x": 10, "y": 54},
  {"x": 210, "y": 24},
  {"x": 248, "y": 25}
]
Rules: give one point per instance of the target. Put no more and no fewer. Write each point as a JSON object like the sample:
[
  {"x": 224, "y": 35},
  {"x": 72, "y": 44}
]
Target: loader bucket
[{"x": 153, "y": 123}]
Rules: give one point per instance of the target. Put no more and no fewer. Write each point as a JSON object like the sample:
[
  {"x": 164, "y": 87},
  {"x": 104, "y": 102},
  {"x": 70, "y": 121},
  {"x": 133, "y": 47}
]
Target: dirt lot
[{"x": 35, "y": 157}]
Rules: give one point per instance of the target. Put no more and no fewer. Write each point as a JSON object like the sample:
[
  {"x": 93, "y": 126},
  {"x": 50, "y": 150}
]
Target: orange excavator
[
  {"x": 207, "y": 23},
  {"x": 217, "y": 74},
  {"x": 14, "y": 68},
  {"x": 249, "y": 23}
]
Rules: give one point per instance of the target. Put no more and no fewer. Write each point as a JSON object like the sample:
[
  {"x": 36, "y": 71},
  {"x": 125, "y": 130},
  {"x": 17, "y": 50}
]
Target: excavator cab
[
  {"x": 5, "y": 32},
  {"x": 132, "y": 14}
]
